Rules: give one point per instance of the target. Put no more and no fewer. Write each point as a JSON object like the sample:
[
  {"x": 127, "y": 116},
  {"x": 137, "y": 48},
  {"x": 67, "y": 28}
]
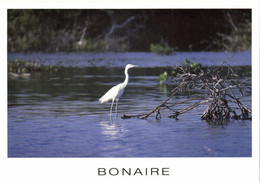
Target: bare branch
[{"x": 219, "y": 85}]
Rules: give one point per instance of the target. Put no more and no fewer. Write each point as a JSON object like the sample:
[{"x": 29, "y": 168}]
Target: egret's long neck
[{"x": 126, "y": 78}]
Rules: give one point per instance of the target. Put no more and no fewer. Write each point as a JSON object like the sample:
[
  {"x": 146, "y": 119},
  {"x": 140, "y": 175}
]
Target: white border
[{"x": 85, "y": 169}]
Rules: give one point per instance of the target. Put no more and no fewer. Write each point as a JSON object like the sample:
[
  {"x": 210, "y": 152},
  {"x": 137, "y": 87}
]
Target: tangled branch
[{"x": 221, "y": 88}]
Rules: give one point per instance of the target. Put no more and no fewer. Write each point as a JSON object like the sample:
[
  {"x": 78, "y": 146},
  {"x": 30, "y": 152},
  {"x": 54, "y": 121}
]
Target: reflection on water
[
  {"x": 58, "y": 115},
  {"x": 112, "y": 131}
]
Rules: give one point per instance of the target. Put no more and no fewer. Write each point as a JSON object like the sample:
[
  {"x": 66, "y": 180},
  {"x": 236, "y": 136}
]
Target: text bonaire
[{"x": 165, "y": 171}]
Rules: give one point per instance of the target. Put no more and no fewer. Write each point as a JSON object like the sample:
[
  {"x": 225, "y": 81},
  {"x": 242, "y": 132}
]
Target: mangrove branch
[{"x": 220, "y": 87}]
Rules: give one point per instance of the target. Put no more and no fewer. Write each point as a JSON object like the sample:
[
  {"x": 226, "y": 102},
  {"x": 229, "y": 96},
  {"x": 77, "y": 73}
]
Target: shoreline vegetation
[{"x": 135, "y": 30}]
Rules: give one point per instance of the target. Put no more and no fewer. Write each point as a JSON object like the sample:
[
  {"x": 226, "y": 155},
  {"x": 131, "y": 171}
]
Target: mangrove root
[{"x": 220, "y": 87}]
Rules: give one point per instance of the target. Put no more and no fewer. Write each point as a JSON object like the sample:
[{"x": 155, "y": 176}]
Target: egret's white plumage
[{"x": 115, "y": 92}]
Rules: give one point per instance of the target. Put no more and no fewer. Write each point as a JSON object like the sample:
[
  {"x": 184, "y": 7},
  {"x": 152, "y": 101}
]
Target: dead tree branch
[
  {"x": 117, "y": 37},
  {"x": 220, "y": 87}
]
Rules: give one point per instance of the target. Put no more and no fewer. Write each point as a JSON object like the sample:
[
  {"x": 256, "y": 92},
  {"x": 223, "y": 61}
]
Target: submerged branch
[
  {"x": 187, "y": 109},
  {"x": 163, "y": 103},
  {"x": 219, "y": 87}
]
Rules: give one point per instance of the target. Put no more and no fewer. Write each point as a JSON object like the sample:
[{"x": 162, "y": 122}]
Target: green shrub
[
  {"x": 189, "y": 66},
  {"x": 161, "y": 50},
  {"x": 20, "y": 67}
]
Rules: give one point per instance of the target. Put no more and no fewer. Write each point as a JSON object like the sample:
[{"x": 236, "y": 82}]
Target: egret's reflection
[{"x": 112, "y": 130}]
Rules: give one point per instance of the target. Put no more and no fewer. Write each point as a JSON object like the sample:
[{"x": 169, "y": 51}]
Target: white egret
[{"x": 115, "y": 92}]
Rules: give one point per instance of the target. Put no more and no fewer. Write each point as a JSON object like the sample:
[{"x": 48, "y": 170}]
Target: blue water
[
  {"x": 143, "y": 59},
  {"x": 58, "y": 115}
]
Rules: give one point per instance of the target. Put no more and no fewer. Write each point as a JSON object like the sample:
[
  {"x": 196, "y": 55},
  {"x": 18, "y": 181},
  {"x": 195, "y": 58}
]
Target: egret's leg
[
  {"x": 116, "y": 109},
  {"x": 111, "y": 110}
]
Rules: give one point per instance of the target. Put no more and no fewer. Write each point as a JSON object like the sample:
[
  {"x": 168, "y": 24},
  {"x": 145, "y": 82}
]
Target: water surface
[{"x": 58, "y": 114}]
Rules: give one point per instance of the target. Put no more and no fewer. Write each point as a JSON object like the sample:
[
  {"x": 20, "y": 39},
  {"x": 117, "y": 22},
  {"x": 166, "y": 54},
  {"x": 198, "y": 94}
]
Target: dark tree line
[{"x": 128, "y": 30}]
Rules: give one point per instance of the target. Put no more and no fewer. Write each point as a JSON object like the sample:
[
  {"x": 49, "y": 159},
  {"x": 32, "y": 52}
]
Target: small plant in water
[
  {"x": 163, "y": 77},
  {"x": 189, "y": 66}
]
